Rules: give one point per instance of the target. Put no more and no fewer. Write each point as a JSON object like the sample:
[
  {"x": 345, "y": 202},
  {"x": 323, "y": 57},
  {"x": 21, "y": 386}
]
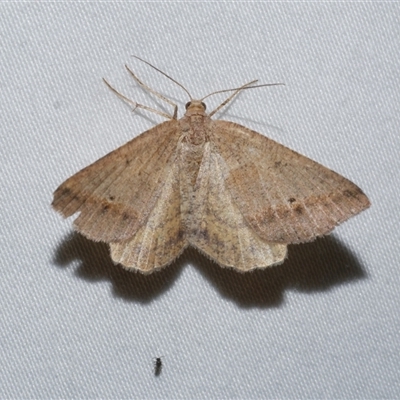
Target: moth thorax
[{"x": 192, "y": 156}]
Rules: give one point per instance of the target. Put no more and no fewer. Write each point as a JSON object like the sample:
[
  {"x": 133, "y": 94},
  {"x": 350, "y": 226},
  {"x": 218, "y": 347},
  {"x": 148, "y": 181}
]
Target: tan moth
[{"x": 232, "y": 193}]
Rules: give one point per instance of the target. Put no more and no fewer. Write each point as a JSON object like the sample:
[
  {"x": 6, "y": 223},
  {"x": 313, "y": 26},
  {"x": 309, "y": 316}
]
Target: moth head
[{"x": 195, "y": 107}]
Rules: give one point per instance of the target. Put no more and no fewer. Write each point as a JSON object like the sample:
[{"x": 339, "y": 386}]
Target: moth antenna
[
  {"x": 236, "y": 92},
  {"x": 230, "y": 90},
  {"x": 167, "y": 76}
]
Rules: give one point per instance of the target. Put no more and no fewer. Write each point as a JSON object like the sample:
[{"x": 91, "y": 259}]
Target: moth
[{"x": 235, "y": 195}]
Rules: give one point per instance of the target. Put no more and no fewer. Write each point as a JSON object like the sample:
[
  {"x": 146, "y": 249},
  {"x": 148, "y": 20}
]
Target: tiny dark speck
[
  {"x": 292, "y": 200},
  {"x": 112, "y": 198},
  {"x": 277, "y": 163},
  {"x": 157, "y": 366}
]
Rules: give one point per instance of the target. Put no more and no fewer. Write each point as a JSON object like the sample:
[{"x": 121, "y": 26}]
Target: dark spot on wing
[
  {"x": 66, "y": 191},
  {"x": 348, "y": 193},
  {"x": 204, "y": 235},
  {"x": 299, "y": 209},
  {"x": 125, "y": 216}
]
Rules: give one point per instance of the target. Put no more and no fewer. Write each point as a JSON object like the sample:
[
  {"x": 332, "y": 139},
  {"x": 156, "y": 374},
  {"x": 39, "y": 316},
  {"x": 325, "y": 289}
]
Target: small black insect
[{"x": 157, "y": 366}]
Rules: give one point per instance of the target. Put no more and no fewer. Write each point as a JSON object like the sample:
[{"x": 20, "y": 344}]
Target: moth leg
[
  {"x": 157, "y": 94},
  {"x": 136, "y": 105}
]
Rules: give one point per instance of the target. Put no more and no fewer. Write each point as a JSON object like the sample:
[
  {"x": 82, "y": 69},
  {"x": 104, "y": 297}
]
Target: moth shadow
[
  {"x": 96, "y": 265},
  {"x": 309, "y": 267}
]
